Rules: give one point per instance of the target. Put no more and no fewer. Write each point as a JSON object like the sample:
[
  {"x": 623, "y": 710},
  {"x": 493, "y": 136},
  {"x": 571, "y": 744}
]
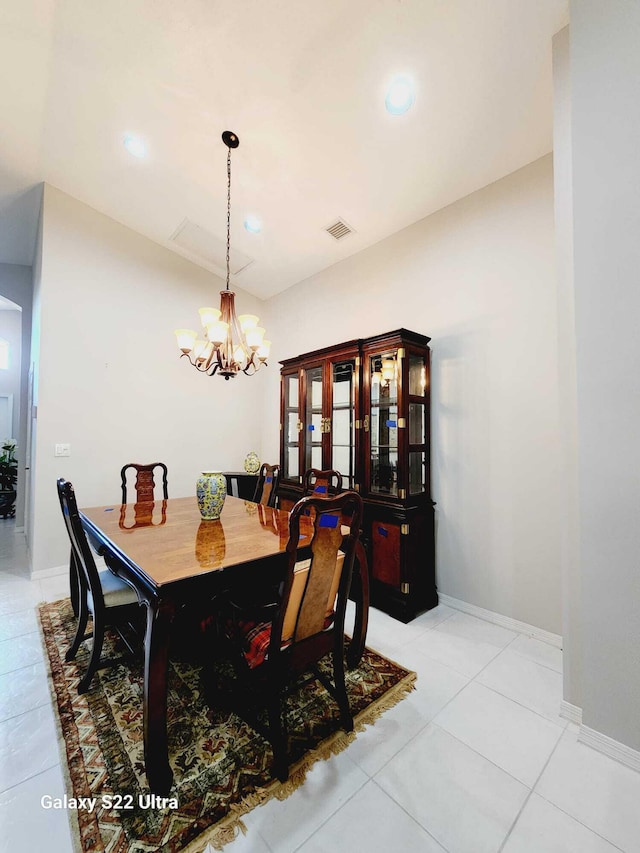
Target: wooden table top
[{"x": 168, "y": 541}]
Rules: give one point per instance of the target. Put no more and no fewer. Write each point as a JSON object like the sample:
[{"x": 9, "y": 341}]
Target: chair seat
[
  {"x": 256, "y": 637},
  {"x": 115, "y": 591}
]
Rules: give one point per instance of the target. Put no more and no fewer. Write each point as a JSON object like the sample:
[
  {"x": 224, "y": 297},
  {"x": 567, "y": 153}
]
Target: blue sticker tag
[
  {"x": 311, "y": 427},
  {"x": 110, "y": 509},
  {"x": 391, "y": 423},
  {"x": 268, "y": 479},
  {"x": 329, "y": 520},
  {"x": 383, "y": 532},
  {"x": 320, "y": 490}
]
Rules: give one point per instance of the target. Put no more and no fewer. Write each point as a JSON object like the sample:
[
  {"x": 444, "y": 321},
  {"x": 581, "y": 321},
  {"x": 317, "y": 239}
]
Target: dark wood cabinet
[{"x": 362, "y": 408}]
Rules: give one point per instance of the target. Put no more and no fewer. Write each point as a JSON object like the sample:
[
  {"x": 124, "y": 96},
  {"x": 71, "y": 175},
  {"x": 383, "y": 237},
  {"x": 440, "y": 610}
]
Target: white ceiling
[{"x": 302, "y": 83}]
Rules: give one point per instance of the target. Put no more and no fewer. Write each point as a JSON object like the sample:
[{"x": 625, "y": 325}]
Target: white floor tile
[
  {"x": 515, "y": 738},
  {"x": 12, "y": 601},
  {"x": 385, "y": 634},
  {"x": 358, "y": 826},
  {"x": 536, "y": 687},
  {"x": 466, "y": 656},
  {"x": 20, "y": 651},
  {"x": 286, "y": 825},
  {"x": 542, "y": 653},
  {"x": 25, "y": 826},
  {"x": 55, "y": 587},
  {"x": 595, "y": 790},
  {"x": 436, "y": 685},
  {"x": 23, "y": 690},
  {"x": 466, "y": 802},
  {"x": 479, "y": 630},
  {"x": 12, "y": 579},
  {"x": 28, "y": 746},
  {"x": 542, "y": 828},
  {"x": 18, "y": 624}
]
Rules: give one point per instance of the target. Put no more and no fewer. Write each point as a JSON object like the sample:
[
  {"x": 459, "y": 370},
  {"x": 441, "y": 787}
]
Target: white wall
[
  {"x": 111, "y": 382},
  {"x": 568, "y": 406},
  {"x": 16, "y": 285},
  {"x": 479, "y": 278},
  {"x": 11, "y": 331},
  {"x": 605, "y": 95}
]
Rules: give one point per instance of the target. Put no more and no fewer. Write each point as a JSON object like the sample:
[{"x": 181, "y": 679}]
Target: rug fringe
[{"x": 229, "y": 828}]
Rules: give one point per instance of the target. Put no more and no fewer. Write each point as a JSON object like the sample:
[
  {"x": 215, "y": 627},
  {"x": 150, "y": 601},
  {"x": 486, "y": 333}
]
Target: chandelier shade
[{"x": 229, "y": 344}]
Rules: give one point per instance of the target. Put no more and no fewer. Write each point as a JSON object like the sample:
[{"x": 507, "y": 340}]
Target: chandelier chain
[{"x": 228, "y": 212}]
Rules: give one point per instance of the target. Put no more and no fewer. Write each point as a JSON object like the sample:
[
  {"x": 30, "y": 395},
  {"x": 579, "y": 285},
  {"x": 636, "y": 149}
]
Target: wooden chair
[
  {"x": 108, "y": 599},
  {"x": 277, "y": 643},
  {"x": 267, "y": 485},
  {"x": 321, "y": 483},
  {"x": 329, "y": 482},
  {"x": 145, "y": 482}
]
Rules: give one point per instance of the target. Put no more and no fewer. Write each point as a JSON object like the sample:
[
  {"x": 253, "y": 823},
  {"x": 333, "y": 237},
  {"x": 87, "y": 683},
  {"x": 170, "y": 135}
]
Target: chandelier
[{"x": 229, "y": 344}]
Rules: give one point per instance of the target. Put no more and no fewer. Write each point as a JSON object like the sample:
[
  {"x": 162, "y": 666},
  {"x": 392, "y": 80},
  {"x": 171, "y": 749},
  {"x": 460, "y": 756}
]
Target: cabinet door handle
[{"x": 365, "y": 423}]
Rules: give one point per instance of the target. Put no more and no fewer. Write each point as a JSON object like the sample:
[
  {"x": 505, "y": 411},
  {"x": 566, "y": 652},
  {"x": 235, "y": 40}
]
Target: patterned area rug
[{"x": 221, "y": 766}]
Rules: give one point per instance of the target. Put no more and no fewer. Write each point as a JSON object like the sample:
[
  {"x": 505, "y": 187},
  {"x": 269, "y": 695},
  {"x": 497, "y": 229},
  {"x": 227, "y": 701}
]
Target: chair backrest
[
  {"x": 88, "y": 576},
  {"x": 323, "y": 483},
  {"x": 316, "y": 590},
  {"x": 145, "y": 482},
  {"x": 267, "y": 485}
]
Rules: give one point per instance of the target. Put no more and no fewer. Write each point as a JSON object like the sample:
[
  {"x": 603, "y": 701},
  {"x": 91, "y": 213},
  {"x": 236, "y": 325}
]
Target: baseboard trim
[
  {"x": 610, "y": 747},
  {"x": 503, "y": 621},
  {"x": 49, "y": 573},
  {"x": 570, "y": 712}
]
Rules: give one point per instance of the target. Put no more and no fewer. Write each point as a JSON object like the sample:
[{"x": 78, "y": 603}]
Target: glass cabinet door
[
  {"x": 343, "y": 420},
  {"x": 313, "y": 420},
  {"x": 417, "y": 424},
  {"x": 383, "y": 424},
  {"x": 291, "y": 427}
]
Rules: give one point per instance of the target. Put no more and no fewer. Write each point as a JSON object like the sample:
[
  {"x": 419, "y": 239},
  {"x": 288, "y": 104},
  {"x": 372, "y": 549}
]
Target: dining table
[{"x": 174, "y": 560}]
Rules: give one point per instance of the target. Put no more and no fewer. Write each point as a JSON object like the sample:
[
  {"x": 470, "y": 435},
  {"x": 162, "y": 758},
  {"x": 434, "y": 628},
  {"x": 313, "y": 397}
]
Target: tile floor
[{"x": 476, "y": 760}]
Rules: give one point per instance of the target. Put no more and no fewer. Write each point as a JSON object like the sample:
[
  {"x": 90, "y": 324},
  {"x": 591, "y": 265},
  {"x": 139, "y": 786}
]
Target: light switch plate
[{"x": 63, "y": 450}]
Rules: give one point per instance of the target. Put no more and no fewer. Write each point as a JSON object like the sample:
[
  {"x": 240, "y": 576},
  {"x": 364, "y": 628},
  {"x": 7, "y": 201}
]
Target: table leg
[
  {"x": 160, "y": 615},
  {"x": 356, "y": 647}
]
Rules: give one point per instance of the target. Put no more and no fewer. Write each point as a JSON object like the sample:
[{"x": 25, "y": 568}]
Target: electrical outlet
[{"x": 63, "y": 450}]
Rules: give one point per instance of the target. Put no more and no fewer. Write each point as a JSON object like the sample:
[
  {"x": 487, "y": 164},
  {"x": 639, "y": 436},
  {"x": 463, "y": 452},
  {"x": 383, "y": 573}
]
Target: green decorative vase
[{"x": 211, "y": 489}]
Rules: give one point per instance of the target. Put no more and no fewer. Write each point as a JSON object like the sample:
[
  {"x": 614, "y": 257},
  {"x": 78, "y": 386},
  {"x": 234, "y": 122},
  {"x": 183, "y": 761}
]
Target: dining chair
[
  {"x": 145, "y": 481},
  {"x": 318, "y": 482},
  {"x": 107, "y": 598},
  {"x": 328, "y": 482},
  {"x": 267, "y": 485},
  {"x": 276, "y": 644}
]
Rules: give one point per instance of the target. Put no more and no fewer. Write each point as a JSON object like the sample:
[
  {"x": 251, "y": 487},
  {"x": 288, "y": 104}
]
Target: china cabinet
[{"x": 362, "y": 408}]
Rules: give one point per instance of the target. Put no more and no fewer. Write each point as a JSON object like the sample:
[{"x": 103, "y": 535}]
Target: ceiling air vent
[{"x": 339, "y": 229}]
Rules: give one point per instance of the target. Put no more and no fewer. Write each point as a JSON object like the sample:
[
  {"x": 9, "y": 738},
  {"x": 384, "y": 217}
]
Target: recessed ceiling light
[
  {"x": 135, "y": 145},
  {"x": 400, "y": 95},
  {"x": 253, "y": 224}
]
